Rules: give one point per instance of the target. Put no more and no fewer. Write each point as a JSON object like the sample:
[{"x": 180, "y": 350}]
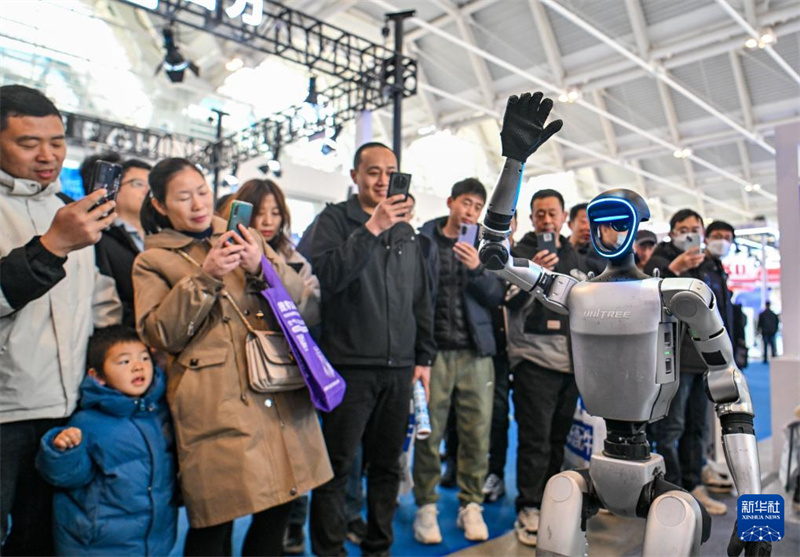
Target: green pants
[{"x": 461, "y": 378}]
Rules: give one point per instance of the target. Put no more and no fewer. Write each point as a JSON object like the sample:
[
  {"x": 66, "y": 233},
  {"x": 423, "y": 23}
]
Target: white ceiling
[{"x": 653, "y": 76}]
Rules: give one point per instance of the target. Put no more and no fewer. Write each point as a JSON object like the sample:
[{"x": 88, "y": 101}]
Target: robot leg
[
  {"x": 561, "y": 520},
  {"x": 674, "y": 526}
]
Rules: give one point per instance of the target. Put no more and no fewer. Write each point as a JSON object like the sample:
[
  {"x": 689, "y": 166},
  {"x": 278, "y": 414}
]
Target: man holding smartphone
[
  {"x": 545, "y": 392},
  {"x": 51, "y": 297},
  {"x": 463, "y": 297},
  {"x": 377, "y": 331},
  {"x": 679, "y": 437}
]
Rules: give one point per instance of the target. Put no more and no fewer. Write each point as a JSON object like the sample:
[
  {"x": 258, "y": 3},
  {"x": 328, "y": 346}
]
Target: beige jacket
[
  {"x": 239, "y": 452},
  {"x": 43, "y": 343}
]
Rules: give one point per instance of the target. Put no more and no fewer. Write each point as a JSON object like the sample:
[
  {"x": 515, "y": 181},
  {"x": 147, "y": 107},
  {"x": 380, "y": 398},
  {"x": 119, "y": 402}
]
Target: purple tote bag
[{"x": 324, "y": 383}]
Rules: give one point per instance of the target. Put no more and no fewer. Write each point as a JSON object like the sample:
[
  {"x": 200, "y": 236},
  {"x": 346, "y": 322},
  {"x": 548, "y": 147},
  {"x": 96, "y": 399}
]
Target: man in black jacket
[
  {"x": 768, "y": 323},
  {"x": 545, "y": 392},
  {"x": 463, "y": 297},
  {"x": 377, "y": 331},
  {"x": 124, "y": 239},
  {"x": 679, "y": 437}
]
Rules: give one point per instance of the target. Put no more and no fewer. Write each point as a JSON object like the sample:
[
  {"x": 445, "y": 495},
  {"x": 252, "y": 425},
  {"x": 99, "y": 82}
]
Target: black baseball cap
[{"x": 646, "y": 237}]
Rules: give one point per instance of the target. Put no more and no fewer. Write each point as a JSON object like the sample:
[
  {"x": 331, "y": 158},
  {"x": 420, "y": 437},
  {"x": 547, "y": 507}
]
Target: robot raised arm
[{"x": 693, "y": 303}]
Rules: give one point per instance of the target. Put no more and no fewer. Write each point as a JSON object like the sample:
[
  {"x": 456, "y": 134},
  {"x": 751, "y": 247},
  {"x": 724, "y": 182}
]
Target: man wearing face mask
[{"x": 679, "y": 437}]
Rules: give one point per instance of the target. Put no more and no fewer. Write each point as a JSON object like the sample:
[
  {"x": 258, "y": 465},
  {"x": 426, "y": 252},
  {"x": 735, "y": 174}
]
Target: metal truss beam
[{"x": 87, "y": 131}]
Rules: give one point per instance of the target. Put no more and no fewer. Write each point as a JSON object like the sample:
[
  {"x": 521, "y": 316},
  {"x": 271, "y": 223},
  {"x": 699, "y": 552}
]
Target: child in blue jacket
[{"x": 113, "y": 462}]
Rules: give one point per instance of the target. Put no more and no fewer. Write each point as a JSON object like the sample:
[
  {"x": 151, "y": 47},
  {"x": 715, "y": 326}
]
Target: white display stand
[{"x": 784, "y": 373}]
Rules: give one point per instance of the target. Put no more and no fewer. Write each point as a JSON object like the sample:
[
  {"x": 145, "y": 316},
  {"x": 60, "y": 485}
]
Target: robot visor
[{"x": 613, "y": 226}]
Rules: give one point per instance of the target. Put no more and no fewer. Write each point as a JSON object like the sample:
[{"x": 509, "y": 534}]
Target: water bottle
[{"x": 421, "y": 416}]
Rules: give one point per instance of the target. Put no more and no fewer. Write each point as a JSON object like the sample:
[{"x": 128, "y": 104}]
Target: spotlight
[
  {"x": 751, "y": 43},
  {"x": 174, "y": 63},
  {"x": 310, "y": 109},
  {"x": 569, "y": 96},
  {"x": 329, "y": 143},
  {"x": 684, "y": 153},
  {"x": 312, "y": 92},
  {"x": 275, "y": 167},
  {"x": 234, "y": 64}
]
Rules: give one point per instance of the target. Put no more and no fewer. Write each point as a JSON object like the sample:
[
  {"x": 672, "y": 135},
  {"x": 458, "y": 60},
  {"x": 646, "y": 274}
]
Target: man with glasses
[{"x": 123, "y": 240}]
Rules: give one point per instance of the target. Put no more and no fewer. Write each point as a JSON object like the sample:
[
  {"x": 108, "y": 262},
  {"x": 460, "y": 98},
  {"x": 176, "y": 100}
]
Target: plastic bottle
[{"x": 421, "y": 416}]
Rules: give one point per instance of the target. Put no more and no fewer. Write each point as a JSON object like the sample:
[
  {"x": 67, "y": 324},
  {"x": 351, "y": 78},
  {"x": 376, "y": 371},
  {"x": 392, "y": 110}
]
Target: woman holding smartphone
[{"x": 240, "y": 452}]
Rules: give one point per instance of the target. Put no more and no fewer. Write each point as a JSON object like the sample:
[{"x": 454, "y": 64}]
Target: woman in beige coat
[{"x": 240, "y": 452}]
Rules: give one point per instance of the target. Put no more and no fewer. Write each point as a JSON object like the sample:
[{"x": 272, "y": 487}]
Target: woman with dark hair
[
  {"x": 271, "y": 217},
  {"x": 240, "y": 452}
]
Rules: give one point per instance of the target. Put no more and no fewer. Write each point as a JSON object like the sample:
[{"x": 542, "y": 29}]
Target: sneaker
[
  {"x": 527, "y": 526},
  {"x": 449, "y": 476},
  {"x": 713, "y": 506},
  {"x": 357, "y": 530},
  {"x": 715, "y": 481},
  {"x": 494, "y": 488},
  {"x": 470, "y": 519},
  {"x": 426, "y": 526},
  {"x": 294, "y": 540}
]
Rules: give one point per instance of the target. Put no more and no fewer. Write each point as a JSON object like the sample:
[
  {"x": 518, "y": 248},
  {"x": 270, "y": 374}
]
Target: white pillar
[{"x": 785, "y": 371}]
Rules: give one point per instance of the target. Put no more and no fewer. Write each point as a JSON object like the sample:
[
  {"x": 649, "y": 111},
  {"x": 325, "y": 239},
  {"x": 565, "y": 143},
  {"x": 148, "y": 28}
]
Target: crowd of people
[{"x": 125, "y": 387}]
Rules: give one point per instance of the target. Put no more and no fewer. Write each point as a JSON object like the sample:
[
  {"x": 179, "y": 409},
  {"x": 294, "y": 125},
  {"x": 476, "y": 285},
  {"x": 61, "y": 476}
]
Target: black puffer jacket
[
  {"x": 475, "y": 293},
  {"x": 376, "y": 304}
]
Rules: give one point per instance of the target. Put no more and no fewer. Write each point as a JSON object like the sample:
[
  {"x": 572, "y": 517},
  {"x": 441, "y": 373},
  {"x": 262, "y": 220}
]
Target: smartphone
[
  {"x": 106, "y": 175},
  {"x": 399, "y": 183},
  {"x": 692, "y": 241},
  {"x": 241, "y": 211},
  {"x": 547, "y": 240},
  {"x": 468, "y": 233}
]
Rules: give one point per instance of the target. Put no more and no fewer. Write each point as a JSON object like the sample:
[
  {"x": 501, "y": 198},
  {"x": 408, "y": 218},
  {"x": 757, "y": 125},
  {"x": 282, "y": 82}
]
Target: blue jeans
[{"x": 680, "y": 436}]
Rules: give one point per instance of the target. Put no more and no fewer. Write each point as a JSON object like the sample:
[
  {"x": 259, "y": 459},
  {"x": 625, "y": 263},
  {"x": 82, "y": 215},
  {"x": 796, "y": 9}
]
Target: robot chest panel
[{"x": 615, "y": 330}]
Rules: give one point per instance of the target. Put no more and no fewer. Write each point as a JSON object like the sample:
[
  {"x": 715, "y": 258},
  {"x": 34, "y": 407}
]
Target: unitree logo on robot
[
  {"x": 606, "y": 314},
  {"x": 760, "y": 518}
]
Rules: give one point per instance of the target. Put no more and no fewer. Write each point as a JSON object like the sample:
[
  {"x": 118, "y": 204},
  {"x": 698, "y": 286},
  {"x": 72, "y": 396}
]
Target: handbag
[{"x": 271, "y": 365}]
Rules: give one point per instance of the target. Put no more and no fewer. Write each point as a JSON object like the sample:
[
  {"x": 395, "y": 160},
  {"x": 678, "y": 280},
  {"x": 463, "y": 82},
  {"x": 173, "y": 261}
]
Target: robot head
[{"x": 614, "y": 218}]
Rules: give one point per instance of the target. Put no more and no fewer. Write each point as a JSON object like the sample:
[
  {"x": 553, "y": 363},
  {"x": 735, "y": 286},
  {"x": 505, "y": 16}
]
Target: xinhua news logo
[{"x": 760, "y": 518}]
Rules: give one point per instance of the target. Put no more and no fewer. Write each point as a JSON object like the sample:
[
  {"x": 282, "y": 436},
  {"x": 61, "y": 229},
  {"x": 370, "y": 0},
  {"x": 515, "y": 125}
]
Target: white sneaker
[
  {"x": 527, "y": 526},
  {"x": 716, "y": 481},
  {"x": 713, "y": 506},
  {"x": 426, "y": 526},
  {"x": 470, "y": 519}
]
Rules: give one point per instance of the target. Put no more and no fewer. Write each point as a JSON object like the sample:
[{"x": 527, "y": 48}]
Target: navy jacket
[
  {"x": 484, "y": 291},
  {"x": 116, "y": 490}
]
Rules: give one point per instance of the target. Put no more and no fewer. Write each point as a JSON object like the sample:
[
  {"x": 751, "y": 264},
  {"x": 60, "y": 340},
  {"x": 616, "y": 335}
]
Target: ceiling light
[
  {"x": 748, "y": 188},
  {"x": 275, "y": 167},
  {"x": 684, "y": 153},
  {"x": 767, "y": 37},
  {"x": 569, "y": 96},
  {"x": 427, "y": 130},
  {"x": 756, "y": 187},
  {"x": 234, "y": 64},
  {"x": 311, "y": 98},
  {"x": 174, "y": 63},
  {"x": 751, "y": 43}
]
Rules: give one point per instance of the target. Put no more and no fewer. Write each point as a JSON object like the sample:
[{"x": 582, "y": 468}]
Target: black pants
[
  {"x": 769, "y": 342},
  {"x": 498, "y": 443},
  {"x": 374, "y": 412},
  {"x": 264, "y": 537},
  {"x": 680, "y": 436},
  {"x": 544, "y": 404},
  {"x": 24, "y": 495}
]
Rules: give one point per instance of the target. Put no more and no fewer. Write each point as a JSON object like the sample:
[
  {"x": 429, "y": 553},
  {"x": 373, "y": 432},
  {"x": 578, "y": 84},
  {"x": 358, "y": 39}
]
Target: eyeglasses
[{"x": 136, "y": 183}]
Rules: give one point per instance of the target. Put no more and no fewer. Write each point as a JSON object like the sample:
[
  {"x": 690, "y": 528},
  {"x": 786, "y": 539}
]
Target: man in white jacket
[{"x": 51, "y": 298}]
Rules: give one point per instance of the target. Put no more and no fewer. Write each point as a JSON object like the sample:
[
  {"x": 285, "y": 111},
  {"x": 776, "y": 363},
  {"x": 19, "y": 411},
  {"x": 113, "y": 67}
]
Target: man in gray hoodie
[{"x": 51, "y": 298}]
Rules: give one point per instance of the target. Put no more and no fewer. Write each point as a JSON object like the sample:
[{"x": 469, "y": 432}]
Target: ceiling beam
[
  {"x": 639, "y": 26},
  {"x": 448, "y": 17},
  {"x": 657, "y": 72},
  {"x": 745, "y": 157},
  {"x": 741, "y": 88},
  {"x": 608, "y": 129},
  {"x": 548, "y": 40},
  {"x": 756, "y": 35}
]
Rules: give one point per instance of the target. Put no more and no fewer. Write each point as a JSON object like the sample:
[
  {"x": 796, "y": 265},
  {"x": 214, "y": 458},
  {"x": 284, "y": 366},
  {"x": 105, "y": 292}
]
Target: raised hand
[{"x": 523, "y": 125}]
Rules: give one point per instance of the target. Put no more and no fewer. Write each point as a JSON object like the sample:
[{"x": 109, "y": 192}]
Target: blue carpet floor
[{"x": 499, "y": 516}]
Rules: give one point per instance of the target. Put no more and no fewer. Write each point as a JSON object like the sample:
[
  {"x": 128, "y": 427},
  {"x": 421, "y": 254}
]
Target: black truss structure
[
  {"x": 154, "y": 145},
  {"x": 369, "y": 73}
]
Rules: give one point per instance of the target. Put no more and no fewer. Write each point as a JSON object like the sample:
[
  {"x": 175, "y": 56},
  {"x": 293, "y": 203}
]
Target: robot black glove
[
  {"x": 523, "y": 125},
  {"x": 751, "y": 549}
]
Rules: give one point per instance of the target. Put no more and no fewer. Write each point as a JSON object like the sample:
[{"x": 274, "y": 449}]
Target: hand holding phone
[
  {"x": 547, "y": 240},
  {"x": 106, "y": 176},
  {"x": 468, "y": 233},
  {"x": 399, "y": 183}
]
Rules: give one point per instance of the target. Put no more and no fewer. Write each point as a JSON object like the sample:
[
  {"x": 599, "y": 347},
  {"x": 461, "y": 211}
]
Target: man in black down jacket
[
  {"x": 680, "y": 436},
  {"x": 377, "y": 331},
  {"x": 463, "y": 297}
]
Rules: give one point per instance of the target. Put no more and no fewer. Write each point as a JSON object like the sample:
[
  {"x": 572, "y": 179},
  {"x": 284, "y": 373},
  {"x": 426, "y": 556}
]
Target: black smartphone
[
  {"x": 468, "y": 233},
  {"x": 106, "y": 175},
  {"x": 241, "y": 211},
  {"x": 547, "y": 240},
  {"x": 399, "y": 183}
]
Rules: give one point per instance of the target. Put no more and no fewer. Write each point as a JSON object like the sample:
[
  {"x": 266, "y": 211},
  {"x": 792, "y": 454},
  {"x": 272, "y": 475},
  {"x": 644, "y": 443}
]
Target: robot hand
[
  {"x": 751, "y": 549},
  {"x": 552, "y": 289},
  {"x": 523, "y": 125}
]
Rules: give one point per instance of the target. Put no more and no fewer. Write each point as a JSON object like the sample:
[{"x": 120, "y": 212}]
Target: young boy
[{"x": 113, "y": 463}]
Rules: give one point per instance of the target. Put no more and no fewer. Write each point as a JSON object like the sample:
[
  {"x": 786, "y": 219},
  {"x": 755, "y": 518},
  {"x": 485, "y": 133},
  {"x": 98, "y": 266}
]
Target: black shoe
[
  {"x": 449, "y": 476},
  {"x": 294, "y": 540},
  {"x": 356, "y": 530}
]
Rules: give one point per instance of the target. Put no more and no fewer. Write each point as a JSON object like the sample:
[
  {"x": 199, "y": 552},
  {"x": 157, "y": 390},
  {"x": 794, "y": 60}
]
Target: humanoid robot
[{"x": 625, "y": 331}]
